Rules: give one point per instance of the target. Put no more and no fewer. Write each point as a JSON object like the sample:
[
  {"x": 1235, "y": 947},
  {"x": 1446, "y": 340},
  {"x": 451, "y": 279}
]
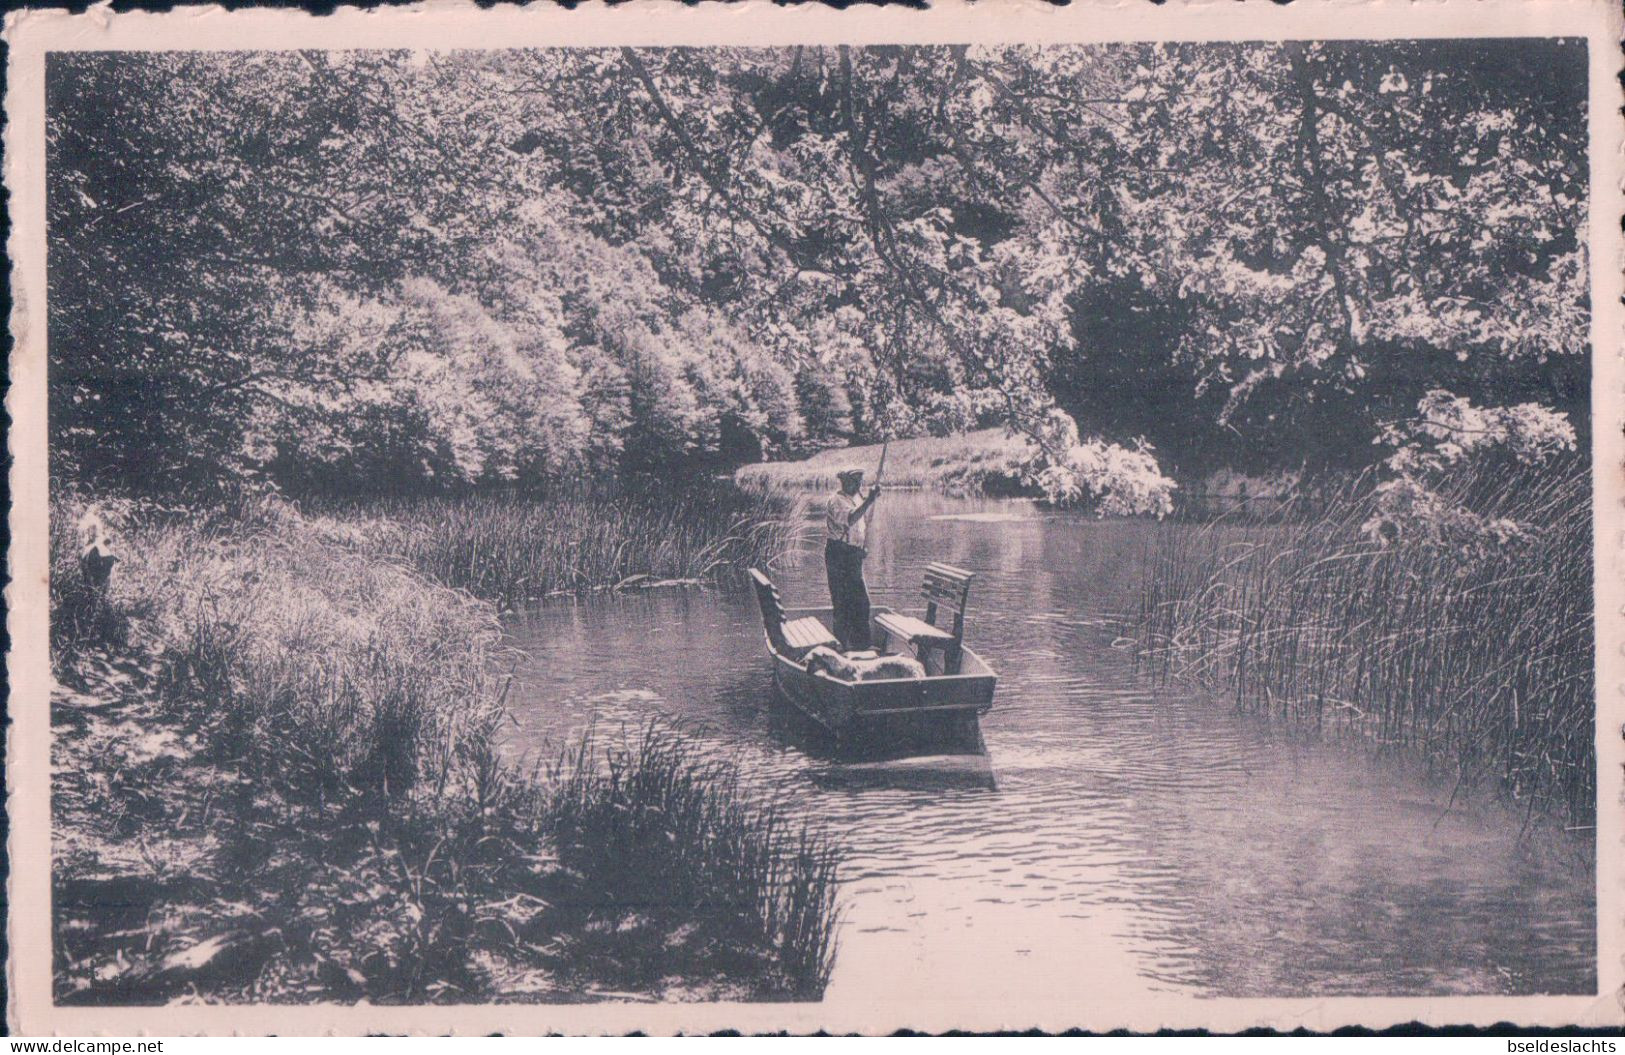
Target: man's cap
[{"x": 849, "y": 473}]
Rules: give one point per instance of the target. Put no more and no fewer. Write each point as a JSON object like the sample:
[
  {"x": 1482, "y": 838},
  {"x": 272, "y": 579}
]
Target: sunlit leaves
[{"x": 651, "y": 257}]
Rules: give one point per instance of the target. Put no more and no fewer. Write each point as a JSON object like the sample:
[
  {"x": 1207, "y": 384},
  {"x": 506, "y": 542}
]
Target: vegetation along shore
[
  {"x": 278, "y": 777},
  {"x": 986, "y": 461},
  {"x": 513, "y": 547},
  {"x": 1470, "y": 644},
  {"x": 1000, "y": 463}
]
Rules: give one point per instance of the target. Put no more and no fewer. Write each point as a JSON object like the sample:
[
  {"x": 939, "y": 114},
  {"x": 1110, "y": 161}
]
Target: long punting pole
[{"x": 880, "y": 470}]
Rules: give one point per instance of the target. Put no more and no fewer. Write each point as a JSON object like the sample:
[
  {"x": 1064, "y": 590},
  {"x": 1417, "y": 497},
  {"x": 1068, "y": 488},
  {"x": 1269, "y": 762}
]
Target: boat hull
[{"x": 855, "y": 711}]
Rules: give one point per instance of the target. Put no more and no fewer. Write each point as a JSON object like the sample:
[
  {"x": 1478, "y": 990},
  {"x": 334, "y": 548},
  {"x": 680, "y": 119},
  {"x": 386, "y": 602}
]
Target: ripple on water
[{"x": 985, "y": 518}]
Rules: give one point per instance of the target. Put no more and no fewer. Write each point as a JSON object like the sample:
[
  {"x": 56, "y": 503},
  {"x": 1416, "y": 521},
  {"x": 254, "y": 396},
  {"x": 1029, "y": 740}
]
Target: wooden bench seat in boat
[
  {"x": 803, "y": 635},
  {"x": 945, "y": 587},
  {"x": 910, "y": 628},
  {"x": 791, "y": 637}
]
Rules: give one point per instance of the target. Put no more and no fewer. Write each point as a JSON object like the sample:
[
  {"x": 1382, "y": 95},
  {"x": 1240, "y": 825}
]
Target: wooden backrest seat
[
  {"x": 767, "y": 596},
  {"x": 947, "y": 587},
  {"x": 789, "y": 637}
]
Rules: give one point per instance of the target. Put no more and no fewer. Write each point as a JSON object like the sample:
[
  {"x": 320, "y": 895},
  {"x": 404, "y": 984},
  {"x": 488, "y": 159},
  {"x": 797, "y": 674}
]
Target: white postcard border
[{"x": 442, "y": 26}]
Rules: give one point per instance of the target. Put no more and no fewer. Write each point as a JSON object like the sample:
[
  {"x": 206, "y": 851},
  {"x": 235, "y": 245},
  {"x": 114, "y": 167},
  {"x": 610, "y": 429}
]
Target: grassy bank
[
  {"x": 988, "y": 461},
  {"x": 1478, "y": 658},
  {"x": 514, "y": 549},
  {"x": 278, "y": 778}
]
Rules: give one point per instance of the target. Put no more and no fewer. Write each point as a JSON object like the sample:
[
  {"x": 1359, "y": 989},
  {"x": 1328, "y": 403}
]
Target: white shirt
[{"x": 836, "y": 513}]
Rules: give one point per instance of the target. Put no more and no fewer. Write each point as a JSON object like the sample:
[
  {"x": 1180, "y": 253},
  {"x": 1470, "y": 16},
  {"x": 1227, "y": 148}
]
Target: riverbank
[
  {"x": 515, "y": 549},
  {"x": 987, "y": 461},
  {"x": 998, "y": 464},
  {"x": 278, "y": 777}
]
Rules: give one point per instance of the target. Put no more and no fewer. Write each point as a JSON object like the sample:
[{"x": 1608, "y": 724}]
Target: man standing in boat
[{"x": 846, "y": 530}]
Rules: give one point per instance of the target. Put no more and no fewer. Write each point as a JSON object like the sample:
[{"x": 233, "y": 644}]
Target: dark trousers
[{"x": 844, "y": 564}]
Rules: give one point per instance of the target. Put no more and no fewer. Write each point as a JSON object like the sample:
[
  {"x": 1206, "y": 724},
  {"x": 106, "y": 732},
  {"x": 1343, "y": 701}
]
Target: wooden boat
[{"x": 958, "y": 687}]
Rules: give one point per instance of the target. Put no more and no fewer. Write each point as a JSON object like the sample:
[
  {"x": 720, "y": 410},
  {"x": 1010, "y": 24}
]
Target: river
[{"x": 1116, "y": 838}]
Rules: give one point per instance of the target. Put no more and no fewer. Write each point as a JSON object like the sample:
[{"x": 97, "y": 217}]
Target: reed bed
[
  {"x": 652, "y": 824},
  {"x": 1478, "y": 657},
  {"x": 279, "y": 777},
  {"x": 986, "y": 461},
  {"x": 515, "y": 549}
]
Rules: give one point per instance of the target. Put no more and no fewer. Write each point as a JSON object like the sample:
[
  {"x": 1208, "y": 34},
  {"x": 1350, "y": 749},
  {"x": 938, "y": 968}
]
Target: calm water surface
[{"x": 1115, "y": 839}]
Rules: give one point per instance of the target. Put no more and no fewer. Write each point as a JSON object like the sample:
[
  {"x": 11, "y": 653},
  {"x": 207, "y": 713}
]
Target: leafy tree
[{"x": 512, "y": 264}]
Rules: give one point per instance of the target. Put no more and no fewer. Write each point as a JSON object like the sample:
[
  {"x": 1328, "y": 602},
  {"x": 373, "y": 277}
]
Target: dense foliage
[{"x": 335, "y": 269}]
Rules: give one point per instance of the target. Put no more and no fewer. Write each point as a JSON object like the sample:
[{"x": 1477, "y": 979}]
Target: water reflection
[
  {"x": 917, "y": 773},
  {"x": 1105, "y": 838}
]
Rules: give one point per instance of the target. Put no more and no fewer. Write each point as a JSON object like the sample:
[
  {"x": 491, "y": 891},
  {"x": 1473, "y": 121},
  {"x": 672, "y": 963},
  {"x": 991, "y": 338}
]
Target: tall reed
[
  {"x": 1480, "y": 658},
  {"x": 649, "y": 823},
  {"x": 514, "y": 548}
]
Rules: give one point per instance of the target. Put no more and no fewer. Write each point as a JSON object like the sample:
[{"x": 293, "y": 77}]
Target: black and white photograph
[{"x": 951, "y": 525}]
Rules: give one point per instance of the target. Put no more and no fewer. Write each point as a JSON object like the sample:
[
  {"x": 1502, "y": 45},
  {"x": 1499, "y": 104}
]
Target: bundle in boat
[{"x": 862, "y": 666}]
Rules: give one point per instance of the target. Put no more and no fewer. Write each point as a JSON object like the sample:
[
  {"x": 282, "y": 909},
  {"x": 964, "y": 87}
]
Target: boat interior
[{"x": 935, "y": 638}]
